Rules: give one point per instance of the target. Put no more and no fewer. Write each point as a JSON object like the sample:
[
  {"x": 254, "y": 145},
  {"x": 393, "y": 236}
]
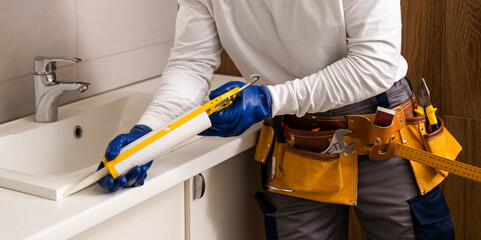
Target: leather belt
[{"x": 298, "y": 131}]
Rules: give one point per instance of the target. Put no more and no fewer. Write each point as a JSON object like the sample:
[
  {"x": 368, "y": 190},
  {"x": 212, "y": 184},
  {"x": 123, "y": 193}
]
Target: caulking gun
[{"x": 149, "y": 146}]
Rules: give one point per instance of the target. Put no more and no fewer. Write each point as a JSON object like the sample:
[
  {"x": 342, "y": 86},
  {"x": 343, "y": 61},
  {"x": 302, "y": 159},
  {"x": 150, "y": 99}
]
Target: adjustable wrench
[{"x": 338, "y": 145}]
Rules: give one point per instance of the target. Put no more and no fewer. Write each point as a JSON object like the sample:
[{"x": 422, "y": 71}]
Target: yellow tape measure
[{"x": 429, "y": 159}]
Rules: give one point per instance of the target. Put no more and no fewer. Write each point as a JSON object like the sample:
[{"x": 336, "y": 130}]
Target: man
[{"x": 328, "y": 57}]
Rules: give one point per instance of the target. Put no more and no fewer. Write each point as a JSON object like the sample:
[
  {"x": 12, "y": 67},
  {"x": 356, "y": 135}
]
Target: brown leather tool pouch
[
  {"x": 442, "y": 143},
  {"x": 298, "y": 164},
  {"x": 309, "y": 172},
  {"x": 380, "y": 139},
  {"x": 439, "y": 142},
  {"x": 264, "y": 143}
]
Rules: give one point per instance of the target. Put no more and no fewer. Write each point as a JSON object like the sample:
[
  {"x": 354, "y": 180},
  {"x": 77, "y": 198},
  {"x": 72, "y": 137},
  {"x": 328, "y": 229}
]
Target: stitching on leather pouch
[
  {"x": 436, "y": 136},
  {"x": 304, "y": 136},
  {"x": 403, "y": 134},
  {"x": 328, "y": 159},
  {"x": 353, "y": 178},
  {"x": 407, "y": 103},
  {"x": 412, "y": 123},
  {"x": 329, "y": 119}
]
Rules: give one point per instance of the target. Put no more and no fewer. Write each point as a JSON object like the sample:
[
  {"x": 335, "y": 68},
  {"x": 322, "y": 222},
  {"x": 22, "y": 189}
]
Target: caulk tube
[
  {"x": 144, "y": 149},
  {"x": 172, "y": 138}
]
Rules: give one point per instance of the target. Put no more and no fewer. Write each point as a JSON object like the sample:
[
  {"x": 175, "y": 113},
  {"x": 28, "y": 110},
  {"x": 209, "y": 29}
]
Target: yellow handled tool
[
  {"x": 419, "y": 111},
  {"x": 426, "y": 106}
]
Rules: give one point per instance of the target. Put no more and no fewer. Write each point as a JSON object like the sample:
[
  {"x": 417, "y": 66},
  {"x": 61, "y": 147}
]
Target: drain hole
[{"x": 77, "y": 132}]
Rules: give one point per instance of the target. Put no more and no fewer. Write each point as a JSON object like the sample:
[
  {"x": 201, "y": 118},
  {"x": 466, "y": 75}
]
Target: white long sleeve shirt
[{"x": 314, "y": 55}]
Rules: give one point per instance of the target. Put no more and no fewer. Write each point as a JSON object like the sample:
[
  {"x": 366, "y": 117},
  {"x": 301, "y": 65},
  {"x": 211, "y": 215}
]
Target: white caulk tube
[
  {"x": 174, "y": 137},
  {"x": 149, "y": 152}
]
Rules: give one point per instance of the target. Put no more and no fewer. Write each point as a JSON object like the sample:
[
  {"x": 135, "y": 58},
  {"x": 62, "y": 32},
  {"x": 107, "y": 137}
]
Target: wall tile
[
  {"x": 118, "y": 70},
  {"x": 17, "y": 97},
  {"x": 119, "y": 41},
  {"x": 111, "y": 26},
  {"x": 31, "y": 28}
]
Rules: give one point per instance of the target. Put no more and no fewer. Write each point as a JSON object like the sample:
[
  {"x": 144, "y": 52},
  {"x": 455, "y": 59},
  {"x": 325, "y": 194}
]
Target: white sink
[{"x": 44, "y": 158}]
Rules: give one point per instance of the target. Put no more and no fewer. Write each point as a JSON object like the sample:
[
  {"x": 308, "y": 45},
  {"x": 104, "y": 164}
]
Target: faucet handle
[{"x": 47, "y": 65}]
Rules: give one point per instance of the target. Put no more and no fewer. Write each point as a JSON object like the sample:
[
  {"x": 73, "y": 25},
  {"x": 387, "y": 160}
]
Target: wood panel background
[{"x": 442, "y": 43}]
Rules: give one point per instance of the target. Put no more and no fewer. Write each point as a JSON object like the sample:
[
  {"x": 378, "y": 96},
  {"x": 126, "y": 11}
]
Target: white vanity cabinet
[
  {"x": 227, "y": 210},
  {"x": 160, "y": 217}
]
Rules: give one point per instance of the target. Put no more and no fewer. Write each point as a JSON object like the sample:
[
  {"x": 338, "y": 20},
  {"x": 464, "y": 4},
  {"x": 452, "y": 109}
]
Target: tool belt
[{"x": 292, "y": 149}]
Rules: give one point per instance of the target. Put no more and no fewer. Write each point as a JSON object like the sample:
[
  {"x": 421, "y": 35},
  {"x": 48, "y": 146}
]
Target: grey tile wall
[{"x": 119, "y": 42}]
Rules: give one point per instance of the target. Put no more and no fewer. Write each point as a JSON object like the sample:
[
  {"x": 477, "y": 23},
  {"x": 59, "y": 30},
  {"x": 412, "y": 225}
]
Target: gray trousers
[
  {"x": 383, "y": 211},
  {"x": 384, "y": 188}
]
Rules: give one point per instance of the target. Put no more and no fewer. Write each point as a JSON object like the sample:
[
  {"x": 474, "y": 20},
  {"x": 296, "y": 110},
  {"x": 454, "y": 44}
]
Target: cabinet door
[
  {"x": 227, "y": 210},
  {"x": 160, "y": 217}
]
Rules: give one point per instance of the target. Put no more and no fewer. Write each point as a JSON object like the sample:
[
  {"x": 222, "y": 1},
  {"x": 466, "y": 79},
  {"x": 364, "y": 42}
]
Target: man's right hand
[{"x": 136, "y": 176}]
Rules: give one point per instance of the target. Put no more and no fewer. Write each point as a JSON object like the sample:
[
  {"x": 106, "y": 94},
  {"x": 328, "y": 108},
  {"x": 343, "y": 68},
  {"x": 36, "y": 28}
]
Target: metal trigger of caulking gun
[
  {"x": 338, "y": 144},
  {"x": 228, "y": 98}
]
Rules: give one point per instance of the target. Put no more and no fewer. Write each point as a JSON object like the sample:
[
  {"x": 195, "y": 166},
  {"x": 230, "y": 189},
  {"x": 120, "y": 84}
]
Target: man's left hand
[{"x": 251, "y": 106}]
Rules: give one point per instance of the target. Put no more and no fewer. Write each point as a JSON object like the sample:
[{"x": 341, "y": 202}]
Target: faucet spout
[
  {"x": 48, "y": 90},
  {"x": 47, "y": 96}
]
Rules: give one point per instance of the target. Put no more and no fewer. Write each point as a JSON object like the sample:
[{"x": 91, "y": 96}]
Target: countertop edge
[{"x": 157, "y": 183}]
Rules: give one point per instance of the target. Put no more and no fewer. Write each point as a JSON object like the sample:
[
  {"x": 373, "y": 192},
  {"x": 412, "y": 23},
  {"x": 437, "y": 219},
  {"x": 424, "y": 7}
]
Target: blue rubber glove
[
  {"x": 135, "y": 177},
  {"x": 251, "y": 106}
]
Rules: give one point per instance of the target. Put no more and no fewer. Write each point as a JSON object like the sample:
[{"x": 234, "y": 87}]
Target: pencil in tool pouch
[{"x": 159, "y": 141}]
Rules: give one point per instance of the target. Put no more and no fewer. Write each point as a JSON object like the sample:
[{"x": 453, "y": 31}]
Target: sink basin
[{"x": 44, "y": 158}]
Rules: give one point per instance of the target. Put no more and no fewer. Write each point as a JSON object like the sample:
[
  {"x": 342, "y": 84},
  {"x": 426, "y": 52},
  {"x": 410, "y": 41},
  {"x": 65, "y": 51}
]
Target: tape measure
[{"x": 457, "y": 168}]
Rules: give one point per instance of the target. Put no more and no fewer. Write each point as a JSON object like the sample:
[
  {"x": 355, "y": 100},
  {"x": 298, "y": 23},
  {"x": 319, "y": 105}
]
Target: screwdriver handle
[
  {"x": 431, "y": 114},
  {"x": 419, "y": 111}
]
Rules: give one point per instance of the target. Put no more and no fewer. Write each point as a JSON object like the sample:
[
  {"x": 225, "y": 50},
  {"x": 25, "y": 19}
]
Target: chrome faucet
[{"x": 48, "y": 90}]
